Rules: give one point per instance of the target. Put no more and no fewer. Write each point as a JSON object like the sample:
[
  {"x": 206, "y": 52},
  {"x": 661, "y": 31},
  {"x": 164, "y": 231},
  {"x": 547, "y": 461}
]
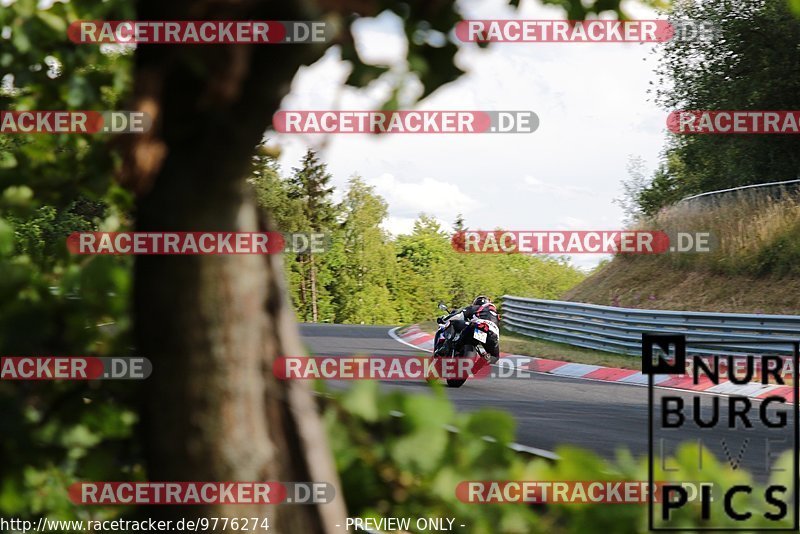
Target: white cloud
[
  {"x": 398, "y": 225},
  {"x": 587, "y": 262},
  {"x": 592, "y": 100},
  {"x": 441, "y": 199},
  {"x": 573, "y": 223},
  {"x": 380, "y": 40},
  {"x": 536, "y": 185}
]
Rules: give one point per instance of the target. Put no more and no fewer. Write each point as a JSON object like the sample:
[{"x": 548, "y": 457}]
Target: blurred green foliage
[
  {"x": 56, "y": 304},
  {"x": 52, "y": 303},
  {"x": 403, "y": 456}
]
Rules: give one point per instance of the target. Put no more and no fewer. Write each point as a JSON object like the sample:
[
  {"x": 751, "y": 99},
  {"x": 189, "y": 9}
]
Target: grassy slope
[
  {"x": 755, "y": 267},
  {"x": 643, "y": 283}
]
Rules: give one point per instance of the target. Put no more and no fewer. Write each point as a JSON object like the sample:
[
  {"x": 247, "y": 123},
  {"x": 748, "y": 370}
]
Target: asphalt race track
[{"x": 551, "y": 411}]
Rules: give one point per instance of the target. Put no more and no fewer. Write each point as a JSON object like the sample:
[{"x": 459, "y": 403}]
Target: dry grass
[
  {"x": 527, "y": 346},
  {"x": 755, "y": 267},
  {"x": 647, "y": 284},
  {"x": 754, "y": 234}
]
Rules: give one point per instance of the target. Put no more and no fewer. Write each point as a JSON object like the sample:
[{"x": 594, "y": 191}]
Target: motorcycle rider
[{"x": 482, "y": 310}]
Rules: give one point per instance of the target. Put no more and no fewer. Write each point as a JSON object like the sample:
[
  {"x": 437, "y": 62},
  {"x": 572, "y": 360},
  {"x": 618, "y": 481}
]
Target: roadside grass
[
  {"x": 527, "y": 346},
  {"x": 756, "y": 234},
  {"x": 755, "y": 267}
]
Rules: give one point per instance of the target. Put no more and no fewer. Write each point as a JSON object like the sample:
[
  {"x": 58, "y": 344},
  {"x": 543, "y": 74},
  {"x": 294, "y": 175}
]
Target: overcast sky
[{"x": 591, "y": 99}]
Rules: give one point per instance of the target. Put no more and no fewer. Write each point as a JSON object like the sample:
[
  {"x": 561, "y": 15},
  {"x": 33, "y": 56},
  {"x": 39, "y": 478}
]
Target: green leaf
[
  {"x": 422, "y": 449},
  {"x": 17, "y": 195},
  {"x": 6, "y": 238},
  {"x": 20, "y": 40},
  {"x": 7, "y": 160},
  {"x": 362, "y": 400},
  {"x": 53, "y": 21},
  {"x": 424, "y": 412},
  {"x": 79, "y": 91},
  {"x": 498, "y": 425}
]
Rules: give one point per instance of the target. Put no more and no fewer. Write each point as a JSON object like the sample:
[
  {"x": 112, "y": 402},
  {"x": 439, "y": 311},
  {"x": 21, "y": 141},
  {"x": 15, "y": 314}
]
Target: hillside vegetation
[
  {"x": 751, "y": 63},
  {"x": 755, "y": 267},
  {"x": 372, "y": 277}
]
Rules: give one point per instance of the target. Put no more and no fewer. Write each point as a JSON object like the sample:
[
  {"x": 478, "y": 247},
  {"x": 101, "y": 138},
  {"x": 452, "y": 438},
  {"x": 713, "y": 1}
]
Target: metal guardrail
[
  {"x": 776, "y": 189},
  {"x": 620, "y": 330}
]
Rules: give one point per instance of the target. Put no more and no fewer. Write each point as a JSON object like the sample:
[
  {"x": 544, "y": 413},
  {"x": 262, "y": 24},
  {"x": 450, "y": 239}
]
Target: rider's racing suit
[{"x": 463, "y": 328}]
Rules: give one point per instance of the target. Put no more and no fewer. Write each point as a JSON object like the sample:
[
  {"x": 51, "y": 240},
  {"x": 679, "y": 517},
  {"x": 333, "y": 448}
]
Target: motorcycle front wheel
[
  {"x": 455, "y": 383},
  {"x": 458, "y": 382}
]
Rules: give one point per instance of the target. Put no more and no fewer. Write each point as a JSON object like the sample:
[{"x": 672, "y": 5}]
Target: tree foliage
[
  {"x": 370, "y": 277},
  {"x": 404, "y": 456},
  {"x": 51, "y": 186},
  {"x": 53, "y": 303},
  {"x": 751, "y": 62}
]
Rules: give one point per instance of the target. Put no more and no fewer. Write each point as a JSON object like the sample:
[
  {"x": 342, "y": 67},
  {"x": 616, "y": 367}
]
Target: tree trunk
[
  {"x": 213, "y": 325},
  {"x": 314, "y": 295},
  {"x": 303, "y": 292}
]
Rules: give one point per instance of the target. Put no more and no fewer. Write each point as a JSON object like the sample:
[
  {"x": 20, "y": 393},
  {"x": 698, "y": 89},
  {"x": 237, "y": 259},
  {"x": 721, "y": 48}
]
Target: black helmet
[{"x": 480, "y": 300}]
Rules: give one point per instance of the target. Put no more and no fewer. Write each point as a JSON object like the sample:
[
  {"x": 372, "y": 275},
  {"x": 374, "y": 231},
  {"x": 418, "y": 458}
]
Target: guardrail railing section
[{"x": 620, "y": 330}]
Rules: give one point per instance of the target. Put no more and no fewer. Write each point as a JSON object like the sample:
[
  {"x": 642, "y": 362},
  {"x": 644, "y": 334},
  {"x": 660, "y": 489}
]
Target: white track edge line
[
  {"x": 514, "y": 446},
  {"x": 394, "y": 336}
]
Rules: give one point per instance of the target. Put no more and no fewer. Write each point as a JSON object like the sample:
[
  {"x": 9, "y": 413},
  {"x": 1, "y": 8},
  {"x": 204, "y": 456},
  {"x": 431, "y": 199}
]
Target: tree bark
[
  {"x": 213, "y": 325},
  {"x": 314, "y": 296},
  {"x": 303, "y": 293}
]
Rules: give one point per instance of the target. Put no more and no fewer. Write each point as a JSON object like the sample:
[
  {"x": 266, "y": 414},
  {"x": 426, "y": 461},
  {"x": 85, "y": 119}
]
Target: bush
[{"x": 404, "y": 455}]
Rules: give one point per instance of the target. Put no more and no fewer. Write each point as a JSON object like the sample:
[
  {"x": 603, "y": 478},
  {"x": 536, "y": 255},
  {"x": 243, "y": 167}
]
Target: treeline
[
  {"x": 370, "y": 277},
  {"x": 752, "y": 63}
]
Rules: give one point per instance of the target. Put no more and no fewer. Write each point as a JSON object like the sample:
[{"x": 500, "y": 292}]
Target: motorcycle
[{"x": 476, "y": 332}]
